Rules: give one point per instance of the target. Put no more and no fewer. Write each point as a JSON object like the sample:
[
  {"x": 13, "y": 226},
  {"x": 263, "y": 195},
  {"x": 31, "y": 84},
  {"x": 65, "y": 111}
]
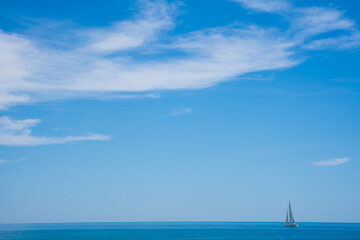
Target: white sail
[
  {"x": 291, "y": 215},
  {"x": 287, "y": 218}
]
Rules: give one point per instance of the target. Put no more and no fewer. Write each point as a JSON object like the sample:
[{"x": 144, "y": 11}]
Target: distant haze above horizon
[{"x": 155, "y": 110}]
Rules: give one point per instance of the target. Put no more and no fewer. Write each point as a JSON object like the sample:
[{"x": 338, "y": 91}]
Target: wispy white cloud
[
  {"x": 153, "y": 18},
  {"x": 110, "y": 61},
  {"x": 5, "y": 161},
  {"x": 15, "y": 66},
  {"x": 333, "y": 162},
  {"x": 265, "y": 5},
  {"x": 180, "y": 111},
  {"x": 307, "y": 22},
  {"x": 129, "y": 96},
  {"x": 317, "y": 20},
  {"x": 18, "y": 133},
  {"x": 343, "y": 42}
]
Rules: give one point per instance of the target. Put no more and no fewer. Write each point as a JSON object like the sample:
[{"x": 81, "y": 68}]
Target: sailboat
[{"x": 290, "y": 216}]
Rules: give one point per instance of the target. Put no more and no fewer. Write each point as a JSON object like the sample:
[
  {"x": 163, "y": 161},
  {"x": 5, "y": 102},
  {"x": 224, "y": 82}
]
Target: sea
[{"x": 181, "y": 231}]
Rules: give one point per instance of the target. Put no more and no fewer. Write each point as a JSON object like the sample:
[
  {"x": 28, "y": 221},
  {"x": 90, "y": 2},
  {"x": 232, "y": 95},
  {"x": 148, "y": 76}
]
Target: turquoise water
[{"x": 180, "y": 231}]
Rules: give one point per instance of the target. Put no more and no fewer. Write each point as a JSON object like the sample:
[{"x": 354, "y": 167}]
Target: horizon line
[{"x": 225, "y": 221}]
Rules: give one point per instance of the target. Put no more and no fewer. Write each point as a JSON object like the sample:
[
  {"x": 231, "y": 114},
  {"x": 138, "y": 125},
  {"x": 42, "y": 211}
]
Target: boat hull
[{"x": 292, "y": 225}]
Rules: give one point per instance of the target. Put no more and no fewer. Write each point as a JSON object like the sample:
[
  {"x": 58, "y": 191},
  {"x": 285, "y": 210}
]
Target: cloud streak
[
  {"x": 135, "y": 55},
  {"x": 18, "y": 133},
  {"x": 333, "y": 162},
  {"x": 153, "y": 18},
  {"x": 265, "y": 5},
  {"x": 312, "y": 21},
  {"x": 5, "y": 161},
  {"x": 180, "y": 111}
]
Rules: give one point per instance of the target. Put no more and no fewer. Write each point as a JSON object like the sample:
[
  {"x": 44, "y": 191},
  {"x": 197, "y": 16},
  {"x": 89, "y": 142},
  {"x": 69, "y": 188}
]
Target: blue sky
[{"x": 179, "y": 111}]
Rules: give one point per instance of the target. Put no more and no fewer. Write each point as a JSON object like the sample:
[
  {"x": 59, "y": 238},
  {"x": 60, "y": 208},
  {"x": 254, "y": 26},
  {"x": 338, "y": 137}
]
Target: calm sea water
[{"x": 180, "y": 231}]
